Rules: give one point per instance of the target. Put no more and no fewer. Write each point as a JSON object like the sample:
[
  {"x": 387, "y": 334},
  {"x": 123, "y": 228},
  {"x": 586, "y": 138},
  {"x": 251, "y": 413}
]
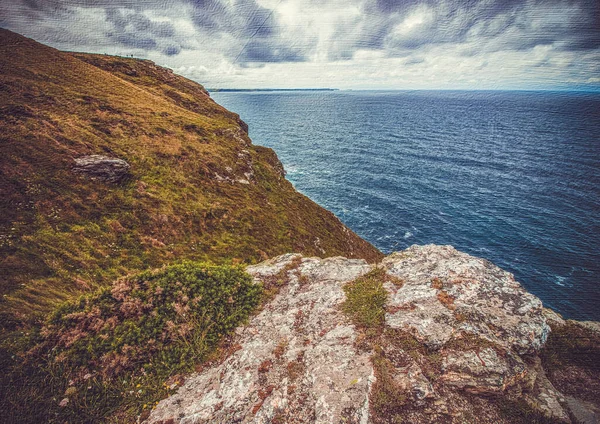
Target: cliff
[
  {"x": 111, "y": 165},
  {"x": 455, "y": 340},
  {"x": 134, "y": 211}
]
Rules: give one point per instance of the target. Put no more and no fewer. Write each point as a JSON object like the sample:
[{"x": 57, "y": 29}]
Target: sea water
[{"x": 510, "y": 176}]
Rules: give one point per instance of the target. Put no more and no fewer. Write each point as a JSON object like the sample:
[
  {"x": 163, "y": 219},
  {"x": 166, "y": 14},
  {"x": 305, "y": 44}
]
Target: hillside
[{"x": 187, "y": 183}]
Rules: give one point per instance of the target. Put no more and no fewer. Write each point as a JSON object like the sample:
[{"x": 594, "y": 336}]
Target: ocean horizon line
[{"x": 548, "y": 90}]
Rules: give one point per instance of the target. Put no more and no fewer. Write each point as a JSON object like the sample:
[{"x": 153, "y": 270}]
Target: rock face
[
  {"x": 446, "y": 292},
  {"x": 103, "y": 168},
  {"x": 459, "y": 334},
  {"x": 296, "y": 360}
]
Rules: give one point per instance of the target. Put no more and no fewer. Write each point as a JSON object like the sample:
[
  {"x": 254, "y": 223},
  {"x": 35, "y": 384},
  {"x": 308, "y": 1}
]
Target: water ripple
[{"x": 510, "y": 176}]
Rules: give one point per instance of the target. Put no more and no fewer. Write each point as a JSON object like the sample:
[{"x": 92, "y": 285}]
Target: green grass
[
  {"x": 63, "y": 235},
  {"x": 365, "y": 305},
  {"x": 111, "y": 353},
  {"x": 366, "y": 298},
  {"x": 388, "y": 400}
]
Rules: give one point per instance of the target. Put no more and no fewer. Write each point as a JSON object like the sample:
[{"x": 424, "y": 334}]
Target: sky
[{"x": 346, "y": 44}]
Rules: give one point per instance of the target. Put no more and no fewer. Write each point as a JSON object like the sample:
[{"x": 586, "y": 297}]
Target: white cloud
[{"x": 333, "y": 43}]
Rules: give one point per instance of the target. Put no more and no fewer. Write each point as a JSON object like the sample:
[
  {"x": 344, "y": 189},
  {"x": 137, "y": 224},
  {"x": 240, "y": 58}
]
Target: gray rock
[
  {"x": 553, "y": 318},
  {"x": 482, "y": 371},
  {"x": 584, "y": 412},
  {"x": 413, "y": 382},
  {"x": 102, "y": 168},
  {"x": 301, "y": 360},
  {"x": 446, "y": 292},
  {"x": 297, "y": 361},
  {"x": 545, "y": 397},
  {"x": 593, "y": 326}
]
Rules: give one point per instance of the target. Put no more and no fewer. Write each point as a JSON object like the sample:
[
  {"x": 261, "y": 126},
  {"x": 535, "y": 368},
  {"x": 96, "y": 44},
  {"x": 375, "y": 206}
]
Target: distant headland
[{"x": 269, "y": 89}]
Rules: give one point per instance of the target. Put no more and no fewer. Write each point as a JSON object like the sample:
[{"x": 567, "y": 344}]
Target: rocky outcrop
[
  {"x": 447, "y": 292},
  {"x": 460, "y": 342},
  {"x": 102, "y": 168},
  {"x": 295, "y": 362}
]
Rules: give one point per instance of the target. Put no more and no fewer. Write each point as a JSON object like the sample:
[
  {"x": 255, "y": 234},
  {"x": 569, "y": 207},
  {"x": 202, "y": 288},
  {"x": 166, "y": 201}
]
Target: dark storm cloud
[
  {"x": 514, "y": 24},
  {"x": 257, "y": 51},
  {"x": 135, "y": 41},
  {"x": 172, "y": 50},
  {"x": 134, "y": 29},
  {"x": 138, "y": 22},
  {"x": 122, "y": 23},
  {"x": 396, "y": 28},
  {"x": 242, "y": 18},
  {"x": 248, "y": 22}
]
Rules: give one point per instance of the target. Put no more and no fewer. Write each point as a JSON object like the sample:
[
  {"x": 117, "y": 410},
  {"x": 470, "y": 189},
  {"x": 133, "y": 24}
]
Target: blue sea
[{"x": 510, "y": 176}]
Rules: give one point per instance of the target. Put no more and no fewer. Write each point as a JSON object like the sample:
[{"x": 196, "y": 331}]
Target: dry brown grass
[{"x": 62, "y": 235}]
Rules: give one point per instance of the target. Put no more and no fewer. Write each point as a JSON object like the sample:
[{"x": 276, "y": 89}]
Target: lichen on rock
[
  {"x": 447, "y": 292},
  {"x": 459, "y": 343},
  {"x": 296, "y": 360}
]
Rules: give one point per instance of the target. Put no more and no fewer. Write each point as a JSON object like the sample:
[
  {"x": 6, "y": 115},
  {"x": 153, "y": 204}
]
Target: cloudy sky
[{"x": 359, "y": 44}]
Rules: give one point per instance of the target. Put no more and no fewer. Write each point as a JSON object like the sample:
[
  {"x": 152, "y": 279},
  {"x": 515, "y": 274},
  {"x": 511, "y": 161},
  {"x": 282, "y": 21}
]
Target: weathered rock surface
[
  {"x": 447, "y": 292},
  {"x": 459, "y": 334},
  {"x": 296, "y": 360},
  {"x": 103, "y": 168}
]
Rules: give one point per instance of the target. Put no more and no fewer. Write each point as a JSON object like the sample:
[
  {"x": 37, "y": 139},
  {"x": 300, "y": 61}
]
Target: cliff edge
[
  {"x": 126, "y": 183},
  {"x": 455, "y": 340}
]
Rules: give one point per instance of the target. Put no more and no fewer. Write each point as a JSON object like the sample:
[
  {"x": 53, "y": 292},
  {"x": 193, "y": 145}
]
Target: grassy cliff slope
[{"x": 197, "y": 188}]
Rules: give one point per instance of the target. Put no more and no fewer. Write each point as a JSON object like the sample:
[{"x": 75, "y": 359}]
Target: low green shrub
[
  {"x": 155, "y": 319},
  {"x": 114, "y": 351},
  {"x": 366, "y": 298}
]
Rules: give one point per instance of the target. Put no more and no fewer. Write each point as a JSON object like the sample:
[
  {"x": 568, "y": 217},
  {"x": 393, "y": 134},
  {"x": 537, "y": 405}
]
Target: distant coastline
[{"x": 214, "y": 90}]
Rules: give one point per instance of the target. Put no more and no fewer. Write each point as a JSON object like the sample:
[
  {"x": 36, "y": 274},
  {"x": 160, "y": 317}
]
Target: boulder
[
  {"x": 447, "y": 292},
  {"x": 102, "y": 168}
]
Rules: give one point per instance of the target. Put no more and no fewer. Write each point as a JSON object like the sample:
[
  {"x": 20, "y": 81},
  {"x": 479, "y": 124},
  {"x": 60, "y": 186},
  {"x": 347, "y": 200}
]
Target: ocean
[{"x": 510, "y": 176}]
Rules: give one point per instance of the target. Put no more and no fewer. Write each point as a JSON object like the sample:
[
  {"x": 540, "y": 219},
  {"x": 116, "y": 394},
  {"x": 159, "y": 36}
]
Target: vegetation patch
[
  {"x": 61, "y": 231},
  {"x": 518, "y": 411},
  {"x": 571, "y": 344},
  {"x": 112, "y": 353},
  {"x": 273, "y": 283},
  {"x": 366, "y": 298},
  {"x": 365, "y": 304},
  {"x": 63, "y": 235},
  {"x": 388, "y": 400}
]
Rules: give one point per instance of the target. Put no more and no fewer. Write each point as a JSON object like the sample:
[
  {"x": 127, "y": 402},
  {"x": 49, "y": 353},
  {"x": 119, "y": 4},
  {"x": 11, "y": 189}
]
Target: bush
[
  {"x": 153, "y": 319},
  {"x": 115, "y": 349}
]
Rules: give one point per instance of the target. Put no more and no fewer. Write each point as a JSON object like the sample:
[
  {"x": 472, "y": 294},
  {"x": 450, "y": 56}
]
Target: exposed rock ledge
[{"x": 460, "y": 334}]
